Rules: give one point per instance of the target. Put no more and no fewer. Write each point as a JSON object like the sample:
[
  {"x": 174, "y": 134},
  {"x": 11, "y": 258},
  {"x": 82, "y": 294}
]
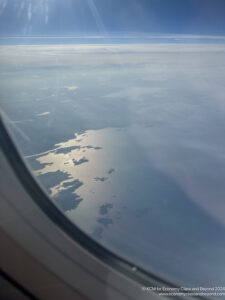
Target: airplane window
[{"x": 118, "y": 108}]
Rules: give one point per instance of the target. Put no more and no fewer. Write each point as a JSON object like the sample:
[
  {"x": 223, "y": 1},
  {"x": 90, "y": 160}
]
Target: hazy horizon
[{"x": 118, "y": 109}]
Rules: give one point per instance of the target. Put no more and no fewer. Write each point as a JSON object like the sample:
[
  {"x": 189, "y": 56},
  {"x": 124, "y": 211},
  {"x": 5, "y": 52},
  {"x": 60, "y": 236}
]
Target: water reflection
[
  {"x": 103, "y": 196},
  {"x": 64, "y": 170}
]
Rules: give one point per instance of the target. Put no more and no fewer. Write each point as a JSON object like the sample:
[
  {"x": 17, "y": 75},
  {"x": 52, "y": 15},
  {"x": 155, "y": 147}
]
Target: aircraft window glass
[{"x": 118, "y": 108}]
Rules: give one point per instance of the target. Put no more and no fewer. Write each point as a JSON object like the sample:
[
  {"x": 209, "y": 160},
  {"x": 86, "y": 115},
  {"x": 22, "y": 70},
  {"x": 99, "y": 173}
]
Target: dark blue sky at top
[{"x": 87, "y": 17}]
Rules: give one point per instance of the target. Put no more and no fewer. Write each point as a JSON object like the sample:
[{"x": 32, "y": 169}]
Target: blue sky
[{"x": 88, "y": 17}]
